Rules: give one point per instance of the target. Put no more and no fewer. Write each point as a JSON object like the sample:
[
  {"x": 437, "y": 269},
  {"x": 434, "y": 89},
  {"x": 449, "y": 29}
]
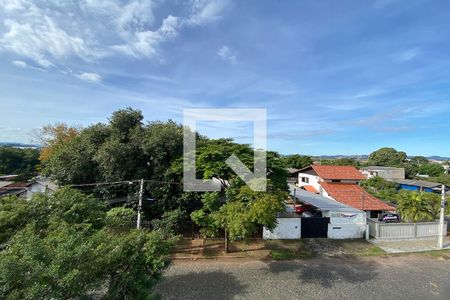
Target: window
[
  {"x": 305, "y": 179},
  {"x": 335, "y": 180}
]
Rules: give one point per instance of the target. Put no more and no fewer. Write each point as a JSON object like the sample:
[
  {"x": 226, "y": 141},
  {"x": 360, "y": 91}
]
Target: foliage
[
  {"x": 13, "y": 216},
  {"x": 296, "y": 161},
  {"x": 66, "y": 252},
  {"x": 119, "y": 218},
  {"x": 381, "y": 188},
  {"x": 433, "y": 170},
  {"x": 18, "y": 161},
  {"x": 387, "y": 157},
  {"x": 54, "y": 136},
  {"x": 169, "y": 221},
  {"x": 418, "y": 206}
]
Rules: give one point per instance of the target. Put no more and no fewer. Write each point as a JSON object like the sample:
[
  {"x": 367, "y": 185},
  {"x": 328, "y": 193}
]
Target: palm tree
[{"x": 415, "y": 207}]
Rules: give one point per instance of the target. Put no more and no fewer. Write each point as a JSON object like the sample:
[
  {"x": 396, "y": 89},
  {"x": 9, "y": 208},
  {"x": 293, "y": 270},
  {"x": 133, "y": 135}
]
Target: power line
[{"x": 123, "y": 182}]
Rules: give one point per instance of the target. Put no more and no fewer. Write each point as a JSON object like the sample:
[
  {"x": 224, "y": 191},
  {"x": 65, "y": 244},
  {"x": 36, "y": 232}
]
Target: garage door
[{"x": 314, "y": 227}]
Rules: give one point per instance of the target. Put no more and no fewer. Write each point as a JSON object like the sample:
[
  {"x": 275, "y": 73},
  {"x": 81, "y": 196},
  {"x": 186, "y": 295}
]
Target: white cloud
[
  {"x": 19, "y": 63},
  {"x": 204, "y": 11},
  {"x": 226, "y": 54},
  {"x": 89, "y": 77},
  {"x": 49, "y": 33}
]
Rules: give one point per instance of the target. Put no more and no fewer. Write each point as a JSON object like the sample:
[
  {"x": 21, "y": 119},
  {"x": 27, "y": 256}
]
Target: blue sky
[{"x": 336, "y": 77}]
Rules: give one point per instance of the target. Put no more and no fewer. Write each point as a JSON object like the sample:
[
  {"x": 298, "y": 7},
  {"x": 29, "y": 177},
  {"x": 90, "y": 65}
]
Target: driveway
[{"x": 407, "y": 277}]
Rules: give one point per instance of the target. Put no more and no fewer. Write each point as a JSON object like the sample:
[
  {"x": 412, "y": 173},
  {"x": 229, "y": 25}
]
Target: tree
[
  {"x": 433, "y": 170},
  {"x": 417, "y": 206},
  {"x": 237, "y": 209},
  {"x": 381, "y": 188},
  {"x": 297, "y": 161},
  {"x": 18, "y": 161},
  {"x": 70, "y": 248},
  {"x": 51, "y": 137},
  {"x": 387, "y": 157}
]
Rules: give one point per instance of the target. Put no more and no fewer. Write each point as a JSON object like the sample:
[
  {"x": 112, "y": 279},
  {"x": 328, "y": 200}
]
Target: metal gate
[{"x": 315, "y": 227}]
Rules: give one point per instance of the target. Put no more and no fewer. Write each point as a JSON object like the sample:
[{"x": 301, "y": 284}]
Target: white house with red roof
[{"x": 341, "y": 183}]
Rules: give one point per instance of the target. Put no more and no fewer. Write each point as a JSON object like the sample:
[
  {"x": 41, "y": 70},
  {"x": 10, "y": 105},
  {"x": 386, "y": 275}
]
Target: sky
[{"x": 335, "y": 77}]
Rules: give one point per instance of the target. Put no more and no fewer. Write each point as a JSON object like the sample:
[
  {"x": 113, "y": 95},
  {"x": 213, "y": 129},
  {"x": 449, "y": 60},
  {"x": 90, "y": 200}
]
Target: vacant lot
[{"x": 405, "y": 277}]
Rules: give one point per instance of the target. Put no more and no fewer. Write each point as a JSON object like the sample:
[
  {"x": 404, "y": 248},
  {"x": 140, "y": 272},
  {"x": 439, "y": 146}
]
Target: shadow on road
[
  {"x": 203, "y": 285},
  {"x": 328, "y": 271}
]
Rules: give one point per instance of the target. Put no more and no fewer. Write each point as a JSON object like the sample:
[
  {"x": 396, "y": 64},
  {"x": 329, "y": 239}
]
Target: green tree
[
  {"x": 70, "y": 248},
  {"x": 388, "y": 157},
  {"x": 297, "y": 161},
  {"x": 433, "y": 170},
  {"x": 18, "y": 161},
  {"x": 417, "y": 206},
  {"x": 381, "y": 188}
]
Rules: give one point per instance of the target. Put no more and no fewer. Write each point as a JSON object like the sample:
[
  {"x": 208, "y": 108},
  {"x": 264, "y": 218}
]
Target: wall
[
  {"x": 414, "y": 188},
  {"x": 313, "y": 180},
  {"x": 351, "y": 225},
  {"x": 403, "y": 230},
  {"x": 287, "y": 228}
]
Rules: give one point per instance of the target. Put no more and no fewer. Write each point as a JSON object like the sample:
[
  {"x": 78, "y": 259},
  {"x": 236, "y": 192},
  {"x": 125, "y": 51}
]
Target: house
[
  {"x": 292, "y": 174},
  {"x": 41, "y": 185},
  {"x": 336, "y": 220},
  {"x": 27, "y": 189},
  {"x": 341, "y": 183},
  {"x": 14, "y": 189},
  {"x": 419, "y": 185},
  {"x": 388, "y": 173}
]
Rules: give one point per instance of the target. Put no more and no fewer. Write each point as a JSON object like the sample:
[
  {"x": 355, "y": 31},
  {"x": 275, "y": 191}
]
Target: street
[{"x": 405, "y": 277}]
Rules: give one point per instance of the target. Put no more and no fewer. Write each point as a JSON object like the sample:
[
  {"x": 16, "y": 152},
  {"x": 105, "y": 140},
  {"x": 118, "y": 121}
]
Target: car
[
  {"x": 299, "y": 209},
  {"x": 389, "y": 218}
]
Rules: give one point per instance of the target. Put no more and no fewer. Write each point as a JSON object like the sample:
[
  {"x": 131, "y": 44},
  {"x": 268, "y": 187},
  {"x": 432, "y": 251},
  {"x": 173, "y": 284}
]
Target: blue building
[{"x": 419, "y": 185}]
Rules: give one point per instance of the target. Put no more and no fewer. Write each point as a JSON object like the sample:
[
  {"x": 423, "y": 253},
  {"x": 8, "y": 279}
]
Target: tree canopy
[
  {"x": 297, "y": 161},
  {"x": 67, "y": 246},
  {"x": 18, "y": 161},
  {"x": 387, "y": 157}
]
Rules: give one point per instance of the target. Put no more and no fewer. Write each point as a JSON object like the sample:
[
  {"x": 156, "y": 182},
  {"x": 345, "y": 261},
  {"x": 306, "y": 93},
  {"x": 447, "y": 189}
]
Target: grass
[{"x": 290, "y": 249}]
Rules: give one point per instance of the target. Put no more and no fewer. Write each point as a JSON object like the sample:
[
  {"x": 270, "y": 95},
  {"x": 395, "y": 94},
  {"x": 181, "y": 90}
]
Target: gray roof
[
  {"x": 421, "y": 183},
  {"x": 292, "y": 170},
  {"x": 321, "y": 202}
]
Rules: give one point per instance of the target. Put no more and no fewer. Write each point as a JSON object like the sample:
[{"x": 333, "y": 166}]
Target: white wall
[
  {"x": 346, "y": 231},
  {"x": 313, "y": 180},
  {"x": 347, "y": 225},
  {"x": 287, "y": 228}
]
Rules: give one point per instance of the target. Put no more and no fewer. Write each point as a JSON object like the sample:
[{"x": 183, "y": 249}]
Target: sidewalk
[{"x": 409, "y": 246}]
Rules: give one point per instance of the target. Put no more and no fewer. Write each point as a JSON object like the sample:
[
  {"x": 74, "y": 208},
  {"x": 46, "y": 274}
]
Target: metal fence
[{"x": 403, "y": 230}]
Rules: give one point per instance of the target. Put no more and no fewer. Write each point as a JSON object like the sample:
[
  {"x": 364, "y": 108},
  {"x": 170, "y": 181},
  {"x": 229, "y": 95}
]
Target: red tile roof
[
  {"x": 354, "y": 196},
  {"x": 337, "y": 172},
  {"x": 310, "y": 188}
]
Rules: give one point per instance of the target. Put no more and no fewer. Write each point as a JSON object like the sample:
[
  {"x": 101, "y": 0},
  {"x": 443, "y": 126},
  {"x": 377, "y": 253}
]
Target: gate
[{"x": 314, "y": 227}]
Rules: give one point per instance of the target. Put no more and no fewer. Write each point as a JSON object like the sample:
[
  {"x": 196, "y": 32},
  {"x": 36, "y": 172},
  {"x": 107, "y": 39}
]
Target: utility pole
[
  {"x": 441, "y": 220},
  {"x": 141, "y": 193}
]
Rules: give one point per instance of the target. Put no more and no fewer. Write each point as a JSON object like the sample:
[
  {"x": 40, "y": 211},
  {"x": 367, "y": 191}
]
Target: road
[{"x": 406, "y": 277}]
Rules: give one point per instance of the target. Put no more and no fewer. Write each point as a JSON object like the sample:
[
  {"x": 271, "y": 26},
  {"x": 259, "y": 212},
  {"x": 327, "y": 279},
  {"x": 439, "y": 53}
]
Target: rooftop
[
  {"x": 355, "y": 196},
  {"x": 336, "y": 172},
  {"x": 321, "y": 202},
  {"x": 381, "y": 168},
  {"x": 420, "y": 183}
]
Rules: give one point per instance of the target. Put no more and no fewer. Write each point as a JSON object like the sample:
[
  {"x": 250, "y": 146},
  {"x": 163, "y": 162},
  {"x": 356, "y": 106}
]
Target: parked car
[
  {"x": 389, "y": 218},
  {"x": 299, "y": 209}
]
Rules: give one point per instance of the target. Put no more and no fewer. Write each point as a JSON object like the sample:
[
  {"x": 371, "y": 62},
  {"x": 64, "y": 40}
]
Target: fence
[{"x": 403, "y": 230}]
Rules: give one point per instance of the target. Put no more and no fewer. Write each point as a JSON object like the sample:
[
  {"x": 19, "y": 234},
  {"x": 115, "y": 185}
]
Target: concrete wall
[
  {"x": 394, "y": 173},
  {"x": 347, "y": 225},
  {"x": 346, "y": 231},
  {"x": 287, "y": 228}
]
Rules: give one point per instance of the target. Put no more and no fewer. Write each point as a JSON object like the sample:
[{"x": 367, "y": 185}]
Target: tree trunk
[{"x": 226, "y": 242}]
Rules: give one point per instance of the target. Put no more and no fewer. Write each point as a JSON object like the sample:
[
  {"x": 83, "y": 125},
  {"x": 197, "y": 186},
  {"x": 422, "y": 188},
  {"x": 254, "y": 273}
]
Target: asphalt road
[{"x": 407, "y": 277}]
